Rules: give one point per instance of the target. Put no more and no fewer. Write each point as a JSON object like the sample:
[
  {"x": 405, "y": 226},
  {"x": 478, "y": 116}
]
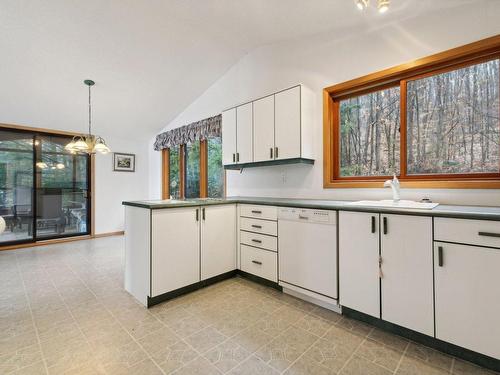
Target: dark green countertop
[{"x": 466, "y": 212}]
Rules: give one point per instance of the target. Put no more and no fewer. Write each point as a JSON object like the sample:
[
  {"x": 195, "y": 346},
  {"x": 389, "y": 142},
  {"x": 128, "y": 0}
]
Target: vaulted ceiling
[{"x": 149, "y": 58}]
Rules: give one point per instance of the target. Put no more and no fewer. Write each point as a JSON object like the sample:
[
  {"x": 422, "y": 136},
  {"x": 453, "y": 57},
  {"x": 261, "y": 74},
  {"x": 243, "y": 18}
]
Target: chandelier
[
  {"x": 382, "y": 5},
  {"x": 88, "y": 143}
]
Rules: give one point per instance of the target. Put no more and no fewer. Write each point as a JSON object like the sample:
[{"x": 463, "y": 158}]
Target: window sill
[{"x": 420, "y": 184}]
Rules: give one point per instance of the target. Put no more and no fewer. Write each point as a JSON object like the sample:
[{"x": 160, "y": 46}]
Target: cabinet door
[
  {"x": 406, "y": 254},
  {"x": 287, "y": 123},
  {"x": 218, "y": 240},
  {"x": 468, "y": 297},
  {"x": 175, "y": 260},
  {"x": 358, "y": 262},
  {"x": 263, "y": 129},
  {"x": 244, "y": 133},
  {"x": 229, "y": 136}
]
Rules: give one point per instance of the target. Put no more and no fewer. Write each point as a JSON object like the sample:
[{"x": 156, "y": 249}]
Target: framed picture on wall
[{"x": 123, "y": 162}]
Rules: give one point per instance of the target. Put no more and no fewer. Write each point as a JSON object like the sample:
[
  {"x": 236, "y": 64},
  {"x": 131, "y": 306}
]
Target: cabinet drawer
[
  {"x": 259, "y": 262},
  {"x": 259, "y": 226},
  {"x": 259, "y": 240},
  {"x": 473, "y": 232},
  {"x": 260, "y": 212}
]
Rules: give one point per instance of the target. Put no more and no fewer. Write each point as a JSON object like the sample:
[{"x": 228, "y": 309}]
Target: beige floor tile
[
  {"x": 253, "y": 366},
  {"x": 430, "y": 356},
  {"x": 413, "y": 366},
  {"x": 146, "y": 367},
  {"x": 326, "y": 354},
  {"x": 314, "y": 324},
  {"x": 22, "y": 340},
  {"x": 154, "y": 342},
  {"x": 358, "y": 365},
  {"x": 205, "y": 339},
  {"x": 11, "y": 362},
  {"x": 227, "y": 355},
  {"x": 394, "y": 341},
  {"x": 115, "y": 359},
  {"x": 379, "y": 354},
  {"x": 339, "y": 336},
  {"x": 466, "y": 368},
  {"x": 198, "y": 366},
  {"x": 174, "y": 357},
  {"x": 188, "y": 326},
  {"x": 326, "y": 314},
  {"x": 253, "y": 338},
  {"x": 307, "y": 365},
  {"x": 34, "y": 369},
  {"x": 355, "y": 326}
]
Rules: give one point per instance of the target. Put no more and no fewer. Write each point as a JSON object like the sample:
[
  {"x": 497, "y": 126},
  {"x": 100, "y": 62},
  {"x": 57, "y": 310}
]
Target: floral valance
[{"x": 196, "y": 131}]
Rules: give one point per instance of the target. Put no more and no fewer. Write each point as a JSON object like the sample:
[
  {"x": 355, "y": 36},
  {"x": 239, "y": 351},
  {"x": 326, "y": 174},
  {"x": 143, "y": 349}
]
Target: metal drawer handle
[
  {"x": 489, "y": 234},
  {"x": 257, "y": 262},
  {"x": 440, "y": 256},
  {"x": 256, "y": 241},
  {"x": 256, "y": 212},
  {"x": 257, "y": 226},
  {"x": 303, "y": 217},
  {"x": 373, "y": 224}
]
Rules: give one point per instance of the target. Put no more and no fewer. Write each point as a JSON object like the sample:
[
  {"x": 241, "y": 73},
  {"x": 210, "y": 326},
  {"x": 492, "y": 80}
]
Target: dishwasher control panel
[{"x": 307, "y": 215}]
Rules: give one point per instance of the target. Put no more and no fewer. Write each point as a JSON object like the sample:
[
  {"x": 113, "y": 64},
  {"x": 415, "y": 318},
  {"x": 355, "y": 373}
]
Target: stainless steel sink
[{"x": 389, "y": 203}]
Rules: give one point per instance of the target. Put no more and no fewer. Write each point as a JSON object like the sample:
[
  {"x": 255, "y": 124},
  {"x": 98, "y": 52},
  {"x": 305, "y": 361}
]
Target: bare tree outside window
[
  {"x": 453, "y": 121},
  {"x": 369, "y": 134}
]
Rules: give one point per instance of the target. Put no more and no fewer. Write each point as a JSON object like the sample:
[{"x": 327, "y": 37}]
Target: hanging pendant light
[{"x": 88, "y": 143}]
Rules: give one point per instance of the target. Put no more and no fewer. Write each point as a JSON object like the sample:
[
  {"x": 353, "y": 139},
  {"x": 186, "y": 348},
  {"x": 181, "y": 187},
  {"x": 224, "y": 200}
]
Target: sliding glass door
[{"x": 44, "y": 190}]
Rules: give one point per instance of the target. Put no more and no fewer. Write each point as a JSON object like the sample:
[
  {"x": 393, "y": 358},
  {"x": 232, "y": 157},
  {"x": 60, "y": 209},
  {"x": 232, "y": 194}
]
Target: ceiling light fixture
[
  {"x": 88, "y": 143},
  {"x": 362, "y": 4},
  {"x": 383, "y": 5}
]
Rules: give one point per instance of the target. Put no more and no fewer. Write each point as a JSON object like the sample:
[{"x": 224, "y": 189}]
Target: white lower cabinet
[
  {"x": 406, "y": 272},
  {"x": 218, "y": 240},
  {"x": 358, "y": 262},
  {"x": 262, "y": 263},
  {"x": 175, "y": 249},
  {"x": 467, "y": 287}
]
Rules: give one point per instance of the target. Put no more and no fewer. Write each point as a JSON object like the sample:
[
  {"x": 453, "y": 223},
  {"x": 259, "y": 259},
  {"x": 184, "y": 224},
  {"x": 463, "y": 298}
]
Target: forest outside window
[{"x": 437, "y": 123}]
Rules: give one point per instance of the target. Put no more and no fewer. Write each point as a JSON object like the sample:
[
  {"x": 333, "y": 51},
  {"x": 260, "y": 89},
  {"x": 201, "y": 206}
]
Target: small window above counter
[{"x": 272, "y": 130}]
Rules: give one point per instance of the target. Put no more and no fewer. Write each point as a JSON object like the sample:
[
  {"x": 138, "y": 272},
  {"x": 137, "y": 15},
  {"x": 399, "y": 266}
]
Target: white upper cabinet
[
  {"x": 275, "y": 127},
  {"x": 263, "y": 129},
  {"x": 287, "y": 123},
  {"x": 407, "y": 271},
  {"x": 229, "y": 136},
  {"x": 244, "y": 133},
  {"x": 218, "y": 240},
  {"x": 358, "y": 262}
]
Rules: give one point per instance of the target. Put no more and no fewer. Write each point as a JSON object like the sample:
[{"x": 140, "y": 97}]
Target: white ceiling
[{"x": 149, "y": 58}]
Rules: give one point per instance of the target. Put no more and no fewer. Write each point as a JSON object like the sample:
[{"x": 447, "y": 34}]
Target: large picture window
[{"x": 433, "y": 121}]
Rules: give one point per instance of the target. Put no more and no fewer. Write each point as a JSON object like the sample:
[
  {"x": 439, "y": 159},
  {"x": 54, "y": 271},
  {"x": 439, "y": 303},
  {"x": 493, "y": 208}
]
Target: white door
[
  {"x": 229, "y": 136},
  {"x": 244, "y": 133},
  {"x": 218, "y": 240},
  {"x": 263, "y": 129},
  {"x": 407, "y": 287},
  {"x": 287, "y": 124},
  {"x": 175, "y": 260},
  {"x": 467, "y": 283},
  {"x": 358, "y": 262}
]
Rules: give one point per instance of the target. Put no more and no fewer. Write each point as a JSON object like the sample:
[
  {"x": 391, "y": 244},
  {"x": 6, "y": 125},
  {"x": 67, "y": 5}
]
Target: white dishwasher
[{"x": 307, "y": 253}]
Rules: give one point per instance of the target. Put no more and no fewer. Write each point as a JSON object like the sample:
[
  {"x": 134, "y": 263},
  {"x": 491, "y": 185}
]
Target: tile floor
[{"x": 63, "y": 310}]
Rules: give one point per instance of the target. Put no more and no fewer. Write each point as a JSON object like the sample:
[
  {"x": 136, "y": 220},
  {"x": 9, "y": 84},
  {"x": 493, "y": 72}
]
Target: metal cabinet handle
[
  {"x": 234, "y": 158},
  {"x": 440, "y": 256},
  {"x": 373, "y": 224},
  {"x": 257, "y": 226},
  {"x": 303, "y": 217},
  {"x": 197, "y": 215},
  {"x": 489, "y": 234},
  {"x": 203, "y": 213},
  {"x": 237, "y": 157},
  {"x": 257, "y": 262},
  {"x": 276, "y": 152},
  {"x": 385, "y": 225},
  {"x": 256, "y": 241},
  {"x": 271, "y": 156},
  {"x": 256, "y": 212}
]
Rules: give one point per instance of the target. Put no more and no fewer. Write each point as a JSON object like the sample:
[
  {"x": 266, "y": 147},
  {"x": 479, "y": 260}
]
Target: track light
[
  {"x": 383, "y": 5},
  {"x": 362, "y": 4}
]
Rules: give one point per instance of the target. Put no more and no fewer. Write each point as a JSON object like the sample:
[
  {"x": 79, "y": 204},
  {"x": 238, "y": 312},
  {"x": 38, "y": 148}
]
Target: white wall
[
  {"x": 325, "y": 60},
  {"x": 111, "y": 188}
]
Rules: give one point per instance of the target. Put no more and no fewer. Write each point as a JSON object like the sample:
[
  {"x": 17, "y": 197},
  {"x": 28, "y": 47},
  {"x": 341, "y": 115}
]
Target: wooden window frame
[
  {"x": 456, "y": 58},
  {"x": 165, "y": 171}
]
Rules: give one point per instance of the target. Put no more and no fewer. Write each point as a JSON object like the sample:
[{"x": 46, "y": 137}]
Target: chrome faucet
[{"x": 394, "y": 185}]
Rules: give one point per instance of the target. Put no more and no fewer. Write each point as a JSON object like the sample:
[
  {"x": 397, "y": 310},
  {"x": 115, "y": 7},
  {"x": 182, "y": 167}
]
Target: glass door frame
[{"x": 35, "y": 133}]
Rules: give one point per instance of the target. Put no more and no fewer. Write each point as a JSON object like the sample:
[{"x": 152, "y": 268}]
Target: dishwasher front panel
[{"x": 307, "y": 253}]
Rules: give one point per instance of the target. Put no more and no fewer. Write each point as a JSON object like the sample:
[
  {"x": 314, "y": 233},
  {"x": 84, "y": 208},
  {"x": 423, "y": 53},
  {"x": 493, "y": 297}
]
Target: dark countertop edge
[{"x": 440, "y": 211}]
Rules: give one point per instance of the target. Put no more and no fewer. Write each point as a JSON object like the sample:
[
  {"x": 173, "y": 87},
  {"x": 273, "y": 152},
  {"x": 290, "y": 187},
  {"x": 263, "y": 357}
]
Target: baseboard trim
[
  {"x": 259, "y": 280},
  {"x": 60, "y": 240},
  {"x": 454, "y": 350}
]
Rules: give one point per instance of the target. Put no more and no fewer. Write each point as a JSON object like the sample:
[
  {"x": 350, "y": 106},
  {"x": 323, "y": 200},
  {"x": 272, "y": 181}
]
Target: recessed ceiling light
[
  {"x": 383, "y": 5},
  {"x": 362, "y": 4}
]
